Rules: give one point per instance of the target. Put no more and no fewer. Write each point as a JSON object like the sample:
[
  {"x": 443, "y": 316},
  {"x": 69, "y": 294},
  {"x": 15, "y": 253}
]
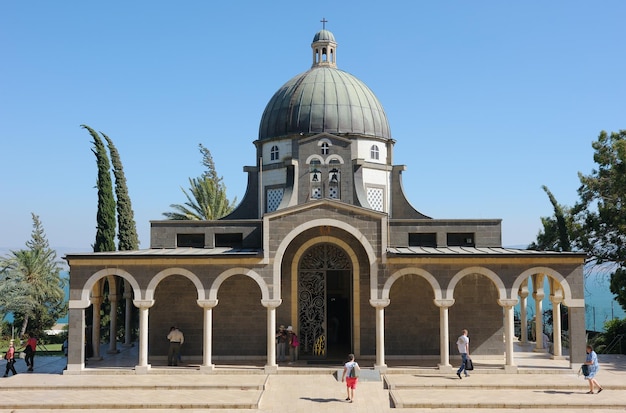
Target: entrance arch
[{"x": 325, "y": 299}]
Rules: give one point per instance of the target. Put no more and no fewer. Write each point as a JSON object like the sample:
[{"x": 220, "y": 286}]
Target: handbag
[
  {"x": 585, "y": 369},
  {"x": 469, "y": 365}
]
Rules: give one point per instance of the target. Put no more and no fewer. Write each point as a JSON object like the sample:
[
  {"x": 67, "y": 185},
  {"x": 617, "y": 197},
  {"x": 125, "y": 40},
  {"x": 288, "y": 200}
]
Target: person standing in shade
[
  {"x": 462, "y": 344},
  {"x": 292, "y": 343},
  {"x": 10, "y": 358},
  {"x": 281, "y": 347},
  {"x": 592, "y": 362},
  {"x": 176, "y": 339},
  {"x": 350, "y": 376},
  {"x": 30, "y": 349}
]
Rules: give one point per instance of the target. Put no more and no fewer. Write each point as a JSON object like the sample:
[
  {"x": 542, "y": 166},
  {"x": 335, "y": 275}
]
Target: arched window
[
  {"x": 274, "y": 153},
  {"x": 374, "y": 152}
]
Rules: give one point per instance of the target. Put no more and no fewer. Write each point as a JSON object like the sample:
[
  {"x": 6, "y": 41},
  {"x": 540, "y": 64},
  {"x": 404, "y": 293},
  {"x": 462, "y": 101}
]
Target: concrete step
[
  {"x": 470, "y": 399},
  {"x": 121, "y": 392},
  {"x": 122, "y": 399}
]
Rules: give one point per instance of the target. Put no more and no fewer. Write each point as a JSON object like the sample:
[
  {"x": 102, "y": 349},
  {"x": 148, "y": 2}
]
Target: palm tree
[
  {"x": 39, "y": 280},
  {"x": 206, "y": 200},
  {"x": 31, "y": 286}
]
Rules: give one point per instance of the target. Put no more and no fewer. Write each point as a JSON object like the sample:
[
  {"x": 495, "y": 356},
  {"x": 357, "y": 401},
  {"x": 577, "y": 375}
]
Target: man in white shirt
[
  {"x": 463, "y": 346},
  {"x": 176, "y": 339}
]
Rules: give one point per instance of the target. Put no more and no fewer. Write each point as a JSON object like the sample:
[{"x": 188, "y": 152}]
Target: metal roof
[
  {"x": 178, "y": 252},
  {"x": 491, "y": 251}
]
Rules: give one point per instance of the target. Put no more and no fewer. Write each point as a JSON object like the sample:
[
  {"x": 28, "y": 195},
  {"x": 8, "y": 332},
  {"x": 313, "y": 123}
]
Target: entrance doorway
[{"x": 325, "y": 303}]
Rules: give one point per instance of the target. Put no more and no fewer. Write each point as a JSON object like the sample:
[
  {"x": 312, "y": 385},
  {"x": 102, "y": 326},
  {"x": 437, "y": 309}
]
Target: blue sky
[{"x": 487, "y": 100}]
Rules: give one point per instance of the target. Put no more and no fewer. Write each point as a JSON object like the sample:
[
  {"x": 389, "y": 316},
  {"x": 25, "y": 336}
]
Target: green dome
[{"x": 324, "y": 99}]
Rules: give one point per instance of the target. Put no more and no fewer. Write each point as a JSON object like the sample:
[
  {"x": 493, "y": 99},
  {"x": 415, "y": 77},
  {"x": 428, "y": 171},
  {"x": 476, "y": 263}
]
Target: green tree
[
  {"x": 127, "y": 235},
  {"x": 38, "y": 299},
  {"x": 206, "y": 199},
  {"x": 601, "y": 210},
  {"x": 105, "y": 227},
  {"x": 555, "y": 235}
]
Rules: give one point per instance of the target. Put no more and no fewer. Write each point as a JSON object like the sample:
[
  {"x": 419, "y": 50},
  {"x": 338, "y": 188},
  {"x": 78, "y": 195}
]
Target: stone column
[
  {"x": 556, "y": 326},
  {"x": 207, "y": 350},
  {"x": 76, "y": 337},
  {"x": 112, "y": 323},
  {"x": 538, "y": 295},
  {"x": 444, "y": 333},
  {"x": 523, "y": 294},
  {"x": 128, "y": 315},
  {"x": 380, "y": 305},
  {"x": 271, "y": 366},
  {"x": 144, "y": 308},
  {"x": 577, "y": 332},
  {"x": 96, "y": 302},
  {"x": 509, "y": 334}
]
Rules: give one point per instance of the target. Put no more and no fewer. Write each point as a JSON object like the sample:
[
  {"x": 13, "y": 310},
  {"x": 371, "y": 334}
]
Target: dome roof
[
  {"x": 324, "y": 35},
  {"x": 324, "y": 99}
]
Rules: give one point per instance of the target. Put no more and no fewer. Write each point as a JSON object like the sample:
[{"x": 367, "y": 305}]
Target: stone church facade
[{"x": 325, "y": 241}]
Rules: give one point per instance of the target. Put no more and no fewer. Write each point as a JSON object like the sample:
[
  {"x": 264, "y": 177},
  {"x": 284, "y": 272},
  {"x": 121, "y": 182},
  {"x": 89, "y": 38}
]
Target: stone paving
[{"x": 541, "y": 383}]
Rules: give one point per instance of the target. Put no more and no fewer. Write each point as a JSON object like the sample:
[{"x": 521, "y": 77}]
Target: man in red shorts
[{"x": 350, "y": 376}]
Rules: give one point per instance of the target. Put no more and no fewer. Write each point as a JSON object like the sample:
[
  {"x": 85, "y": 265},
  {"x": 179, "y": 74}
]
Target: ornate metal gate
[{"x": 312, "y": 296}]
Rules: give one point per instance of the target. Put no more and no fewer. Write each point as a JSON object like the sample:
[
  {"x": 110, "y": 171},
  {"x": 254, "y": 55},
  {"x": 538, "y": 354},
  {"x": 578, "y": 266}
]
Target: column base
[
  {"x": 446, "y": 368},
  {"x": 208, "y": 368},
  {"x": 73, "y": 369},
  {"x": 539, "y": 350},
  {"x": 559, "y": 357},
  {"x": 142, "y": 369},
  {"x": 510, "y": 369},
  {"x": 268, "y": 369},
  {"x": 382, "y": 368}
]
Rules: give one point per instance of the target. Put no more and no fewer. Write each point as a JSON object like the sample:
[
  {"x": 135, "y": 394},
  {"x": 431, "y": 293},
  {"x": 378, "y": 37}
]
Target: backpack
[{"x": 353, "y": 371}]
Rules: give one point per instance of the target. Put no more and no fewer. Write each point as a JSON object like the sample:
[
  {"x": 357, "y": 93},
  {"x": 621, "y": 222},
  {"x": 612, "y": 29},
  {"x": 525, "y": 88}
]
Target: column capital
[
  {"x": 271, "y": 303},
  {"x": 79, "y": 304},
  {"x": 539, "y": 295},
  {"x": 556, "y": 299},
  {"x": 207, "y": 303},
  {"x": 378, "y": 303},
  {"x": 143, "y": 303},
  {"x": 444, "y": 303},
  {"x": 508, "y": 302}
]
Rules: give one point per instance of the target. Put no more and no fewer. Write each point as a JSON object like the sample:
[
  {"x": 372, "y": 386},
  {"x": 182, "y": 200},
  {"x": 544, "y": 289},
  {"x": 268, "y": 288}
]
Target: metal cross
[{"x": 324, "y": 21}]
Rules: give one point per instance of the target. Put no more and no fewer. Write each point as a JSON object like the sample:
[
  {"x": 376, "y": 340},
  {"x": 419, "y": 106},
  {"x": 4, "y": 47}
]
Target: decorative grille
[
  {"x": 316, "y": 192},
  {"x": 274, "y": 196},
  {"x": 333, "y": 192},
  {"x": 375, "y": 198},
  {"x": 312, "y": 295}
]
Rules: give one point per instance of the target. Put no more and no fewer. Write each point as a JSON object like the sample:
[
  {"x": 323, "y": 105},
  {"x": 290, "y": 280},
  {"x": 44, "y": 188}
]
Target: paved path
[{"x": 299, "y": 389}]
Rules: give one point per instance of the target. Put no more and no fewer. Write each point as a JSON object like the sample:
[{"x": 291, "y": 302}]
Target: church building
[{"x": 325, "y": 241}]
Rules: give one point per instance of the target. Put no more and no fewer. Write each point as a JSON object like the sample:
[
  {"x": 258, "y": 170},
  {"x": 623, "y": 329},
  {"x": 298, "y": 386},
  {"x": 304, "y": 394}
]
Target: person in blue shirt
[{"x": 592, "y": 362}]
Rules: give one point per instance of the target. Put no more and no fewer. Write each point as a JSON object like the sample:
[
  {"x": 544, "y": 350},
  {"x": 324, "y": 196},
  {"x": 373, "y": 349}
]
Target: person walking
[
  {"x": 462, "y": 344},
  {"x": 350, "y": 376},
  {"x": 176, "y": 339},
  {"x": 10, "y": 358},
  {"x": 592, "y": 362},
  {"x": 29, "y": 350}
]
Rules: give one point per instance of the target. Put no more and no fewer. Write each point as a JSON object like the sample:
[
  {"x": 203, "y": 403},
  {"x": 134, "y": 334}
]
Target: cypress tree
[
  {"x": 105, "y": 227},
  {"x": 127, "y": 235}
]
